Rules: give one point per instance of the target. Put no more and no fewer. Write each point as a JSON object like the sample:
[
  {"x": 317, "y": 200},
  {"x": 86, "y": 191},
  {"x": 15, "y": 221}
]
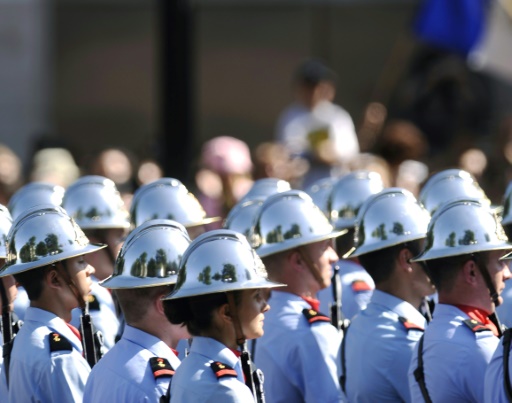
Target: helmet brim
[
  {"x": 451, "y": 252},
  {"x": 271, "y": 249},
  {"x": 218, "y": 288},
  {"x": 122, "y": 282},
  {"x": 8, "y": 270}
]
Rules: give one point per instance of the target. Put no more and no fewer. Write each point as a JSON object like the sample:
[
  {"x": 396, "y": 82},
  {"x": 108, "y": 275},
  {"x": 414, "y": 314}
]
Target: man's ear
[
  {"x": 224, "y": 313},
  {"x": 52, "y": 278},
  {"x": 469, "y": 270},
  {"x": 295, "y": 260},
  {"x": 159, "y": 304},
  {"x": 404, "y": 259}
]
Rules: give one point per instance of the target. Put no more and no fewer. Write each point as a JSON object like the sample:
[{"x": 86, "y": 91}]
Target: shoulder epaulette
[
  {"x": 59, "y": 343},
  {"x": 360, "y": 286},
  {"x": 94, "y": 304},
  {"x": 409, "y": 325},
  {"x": 161, "y": 367},
  {"x": 475, "y": 325},
  {"x": 222, "y": 370},
  {"x": 314, "y": 316}
]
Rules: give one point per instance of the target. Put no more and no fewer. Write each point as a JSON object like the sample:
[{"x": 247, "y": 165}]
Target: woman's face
[{"x": 251, "y": 309}]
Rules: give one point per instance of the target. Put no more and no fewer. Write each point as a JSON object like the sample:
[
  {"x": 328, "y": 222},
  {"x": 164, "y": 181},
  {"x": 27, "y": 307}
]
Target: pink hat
[{"x": 226, "y": 155}]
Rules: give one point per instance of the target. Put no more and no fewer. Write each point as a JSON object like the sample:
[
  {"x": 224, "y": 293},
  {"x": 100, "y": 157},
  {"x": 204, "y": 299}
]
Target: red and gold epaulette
[
  {"x": 475, "y": 325},
  {"x": 314, "y": 316},
  {"x": 409, "y": 325},
  {"x": 222, "y": 370},
  {"x": 360, "y": 286},
  {"x": 161, "y": 367},
  {"x": 59, "y": 343}
]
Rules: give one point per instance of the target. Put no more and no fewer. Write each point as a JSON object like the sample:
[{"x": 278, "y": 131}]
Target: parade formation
[
  {"x": 256, "y": 311},
  {"x": 354, "y": 281}
]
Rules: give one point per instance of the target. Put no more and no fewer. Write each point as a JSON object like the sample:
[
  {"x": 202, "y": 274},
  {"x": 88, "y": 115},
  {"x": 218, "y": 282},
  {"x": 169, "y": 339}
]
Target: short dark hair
[
  {"x": 381, "y": 263},
  {"x": 443, "y": 271},
  {"x": 135, "y": 301},
  {"x": 312, "y": 72},
  {"x": 196, "y": 312},
  {"x": 32, "y": 281}
]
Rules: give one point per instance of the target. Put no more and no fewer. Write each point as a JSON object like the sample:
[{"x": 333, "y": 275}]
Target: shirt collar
[
  {"x": 148, "y": 342},
  {"x": 399, "y": 306},
  {"x": 53, "y": 322},
  {"x": 216, "y": 351}
]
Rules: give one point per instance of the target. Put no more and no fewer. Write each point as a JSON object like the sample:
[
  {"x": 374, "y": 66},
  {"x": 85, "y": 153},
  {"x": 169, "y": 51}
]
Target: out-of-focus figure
[
  {"x": 10, "y": 173},
  {"x": 116, "y": 164},
  {"x": 405, "y": 149},
  {"x": 54, "y": 165},
  {"x": 314, "y": 127},
  {"x": 225, "y": 175},
  {"x": 274, "y": 160}
]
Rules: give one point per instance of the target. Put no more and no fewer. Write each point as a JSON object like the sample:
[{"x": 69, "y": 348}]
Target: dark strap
[
  {"x": 507, "y": 339},
  {"x": 7, "y": 350},
  {"x": 343, "y": 377},
  {"x": 419, "y": 373},
  {"x": 167, "y": 397}
]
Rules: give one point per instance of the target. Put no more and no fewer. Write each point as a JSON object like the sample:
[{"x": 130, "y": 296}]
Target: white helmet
[
  {"x": 150, "y": 256},
  {"x": 463, "y": 227},
  {"x": 169, "y": 199},
  {"x": 219, "y": 261},
  {"x": 288, "y": 220},
  {"x": 388, "y": 218},
  {"x": 41, "y": 236},
  {"x": 34, "y": 194},
  {"x": 95, "y": 203}
]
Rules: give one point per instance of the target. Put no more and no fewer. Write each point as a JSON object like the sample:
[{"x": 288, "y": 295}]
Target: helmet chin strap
[
  {"x": 492, "y": 291},
  {"x": 312, "y": 266},
  {"x": 487, "y": 278},
  {"x": 63, "y": 271},
  {"x": 239, "y": 334}
]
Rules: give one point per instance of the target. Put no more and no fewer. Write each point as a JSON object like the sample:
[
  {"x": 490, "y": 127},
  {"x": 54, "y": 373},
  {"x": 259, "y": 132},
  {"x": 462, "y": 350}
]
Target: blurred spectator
[
  {"x": 117, "y": 165},
  {"x": 313, "y": 126},
  {"x": 273, "y": 160},
  {"x": 404, "y": 147},
  {"x": 224, "y": 176},
  {"x": 448, "y": 102},
  {"x": 149, "y": 171},
  {"x": 54, "y": 165},
  {"x": 374, "y": 163},
  {"x": 374, "y": 117},
  {"x": 10, "y": 173},
  {"x": 474, "y": 161}
]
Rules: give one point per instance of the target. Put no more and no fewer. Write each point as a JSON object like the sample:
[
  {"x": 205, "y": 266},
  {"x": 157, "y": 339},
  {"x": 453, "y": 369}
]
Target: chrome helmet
[
  {"x": 463, "y": 227},
  {"x": 5, "y": 226},
  {"x": 388, "y": 218},
  {"x": 241, "y": 216},
  {"x": 219, "y": 261},
  {"x": 95, "y": 203},
  {"x": 169, "y": 199},
  {"x": 33, "y": 194},
  {"x": 348, "y": 194},
  {"x": 319, "y": 191},
  {"x": 41, "y": 236},
  {"x": 448, "y": 186},
  {"x": 288, "y": 220},
  {"x": 150, "y": 256},
  {"x": 265, "y": 187}
]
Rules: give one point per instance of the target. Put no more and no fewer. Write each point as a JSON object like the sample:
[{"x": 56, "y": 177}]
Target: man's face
[
  {"x": 498, "y": 270},
  {"x": 323, "y": 256}
]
